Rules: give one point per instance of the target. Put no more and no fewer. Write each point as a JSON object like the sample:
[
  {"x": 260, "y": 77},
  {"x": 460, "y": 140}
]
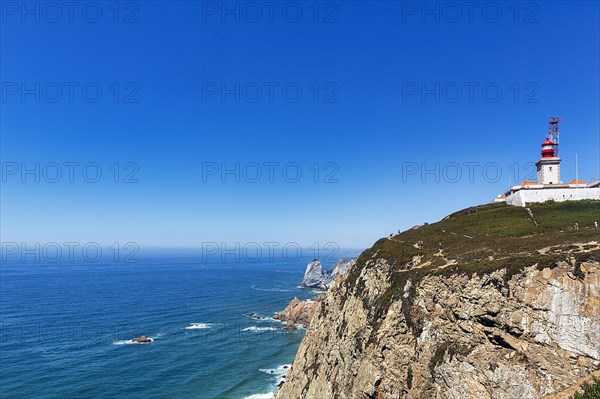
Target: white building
[{"x": 549, "y": 186}]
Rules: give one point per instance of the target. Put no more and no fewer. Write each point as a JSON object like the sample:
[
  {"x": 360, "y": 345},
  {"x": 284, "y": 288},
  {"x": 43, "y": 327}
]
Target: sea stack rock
[{"x": 315, "y": 277}]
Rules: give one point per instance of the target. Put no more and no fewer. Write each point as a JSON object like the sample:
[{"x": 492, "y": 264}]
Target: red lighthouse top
[{"x": 548, "y": 149}]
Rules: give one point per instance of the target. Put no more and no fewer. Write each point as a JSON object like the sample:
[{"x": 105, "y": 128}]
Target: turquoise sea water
[{"x": 65, "y": 328}]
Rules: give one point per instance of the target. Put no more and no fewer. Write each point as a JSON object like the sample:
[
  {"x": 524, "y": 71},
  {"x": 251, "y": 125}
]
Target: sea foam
[
  {"x": 198, "y": 326},
  {"x": 279, "y": 372},
  {"x": 131, "y": 342},
  {"x": 261, "y": 396},
  {"x": 258, "y": 329}
]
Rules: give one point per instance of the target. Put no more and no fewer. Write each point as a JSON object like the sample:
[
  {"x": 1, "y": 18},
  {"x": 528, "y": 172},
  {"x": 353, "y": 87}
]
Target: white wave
[
  {"x": 261, "y": 396},
  {"x": 131, "y": 342},
  {"x": 279, "y": 372},
  {"x": 271, "y": 289},
  {"x": 198, "y": 326},
  {"x": 271, "y": 320},
  {"x": 258, "y": 329}
]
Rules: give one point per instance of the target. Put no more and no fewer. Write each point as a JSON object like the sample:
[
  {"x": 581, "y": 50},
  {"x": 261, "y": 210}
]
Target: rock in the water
[
  {"x": 315, "y": 277},
  {"x": 142, "y": 339},
  {"x": 253, "y": 316},
  {"x": 298, "y": 312}
]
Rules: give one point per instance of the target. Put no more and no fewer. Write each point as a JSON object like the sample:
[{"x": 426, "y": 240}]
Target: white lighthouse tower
[
  {"x": 548, "y": 186},
  {"x": 548, "y": 167}
]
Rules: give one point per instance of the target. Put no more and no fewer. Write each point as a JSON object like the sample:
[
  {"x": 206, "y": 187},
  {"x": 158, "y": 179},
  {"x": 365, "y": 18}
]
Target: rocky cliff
[
  {"x": 339, "y": 269},
  {"x": 500, "y": 303}
]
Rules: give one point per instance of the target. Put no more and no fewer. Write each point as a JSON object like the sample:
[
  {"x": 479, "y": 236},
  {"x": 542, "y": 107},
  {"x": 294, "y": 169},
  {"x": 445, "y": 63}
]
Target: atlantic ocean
[{"x": 66, "y": 327}]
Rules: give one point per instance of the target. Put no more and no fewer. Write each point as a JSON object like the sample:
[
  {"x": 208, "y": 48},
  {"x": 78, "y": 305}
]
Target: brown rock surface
[
  {"x": 142, "y": 339},
  {"x": 298, "y": 312},
  {"x": 530, "y": 335}
]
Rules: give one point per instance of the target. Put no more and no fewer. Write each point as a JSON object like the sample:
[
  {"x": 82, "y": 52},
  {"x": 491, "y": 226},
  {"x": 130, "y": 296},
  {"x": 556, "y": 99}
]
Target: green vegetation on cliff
[
  {"x": 590, "y": 391},
  {"x": 487, "y": 238},
  {"x": 465, "y": 315}
]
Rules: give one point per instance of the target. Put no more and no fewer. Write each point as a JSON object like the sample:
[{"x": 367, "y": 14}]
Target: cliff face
[
  {"x": 523, "y": 329},
  {"x": 459, "y": 337}
]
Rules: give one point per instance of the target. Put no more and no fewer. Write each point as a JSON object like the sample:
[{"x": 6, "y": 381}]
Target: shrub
[{"x": 590, "y": 391}]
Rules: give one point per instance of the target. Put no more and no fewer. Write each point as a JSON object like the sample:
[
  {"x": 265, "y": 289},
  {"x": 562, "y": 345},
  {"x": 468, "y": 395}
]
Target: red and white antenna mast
[{"x": 553, "y": 133}]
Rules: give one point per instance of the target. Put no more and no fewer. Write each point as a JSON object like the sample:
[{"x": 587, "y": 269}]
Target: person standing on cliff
[{"x": 596, "y": 225}]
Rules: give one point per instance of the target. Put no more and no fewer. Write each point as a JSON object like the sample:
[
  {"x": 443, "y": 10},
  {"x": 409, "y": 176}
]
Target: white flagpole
[{"x": 577, "y": 169}]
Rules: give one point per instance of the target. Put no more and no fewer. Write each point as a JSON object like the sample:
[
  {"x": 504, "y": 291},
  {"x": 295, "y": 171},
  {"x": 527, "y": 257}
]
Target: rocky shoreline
[{"x": 300, "y": 312}]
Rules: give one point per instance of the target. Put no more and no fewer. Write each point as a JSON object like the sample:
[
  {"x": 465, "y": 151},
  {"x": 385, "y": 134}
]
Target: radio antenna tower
[{"x": 553, "y": 133}]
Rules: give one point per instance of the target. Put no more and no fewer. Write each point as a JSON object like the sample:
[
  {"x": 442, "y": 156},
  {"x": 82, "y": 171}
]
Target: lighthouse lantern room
[{"x": 548, "y": 167}]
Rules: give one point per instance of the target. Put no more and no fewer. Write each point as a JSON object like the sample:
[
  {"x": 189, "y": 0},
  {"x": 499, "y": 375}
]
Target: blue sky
[{"x": 362, "y": 92}]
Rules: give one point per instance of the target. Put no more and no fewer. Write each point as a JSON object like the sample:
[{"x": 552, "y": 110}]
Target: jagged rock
[
  {"x": 339, "y": 269},
  {"x": 316, "y": 277},
  {"x": 298, "y": 312}
]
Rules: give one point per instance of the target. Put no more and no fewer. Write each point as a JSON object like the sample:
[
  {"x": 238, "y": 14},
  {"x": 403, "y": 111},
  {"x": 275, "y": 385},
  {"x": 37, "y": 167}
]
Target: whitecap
[
  {"x": 258, "y": 329},
  {"x": 271, "y": 320},
  {"x": 131, "y": 342},
  {"x": 198, "y": 326},
  {"x": 261, "y": 396},
  {"x": 270, "y": 289},
  {"x": 279, "y": 372}
]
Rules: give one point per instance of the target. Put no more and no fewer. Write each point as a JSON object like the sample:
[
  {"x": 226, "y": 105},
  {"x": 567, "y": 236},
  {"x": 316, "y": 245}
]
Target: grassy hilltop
[
  {"x": 486, "y": 238},
  {"x": 469, "y": 318}
]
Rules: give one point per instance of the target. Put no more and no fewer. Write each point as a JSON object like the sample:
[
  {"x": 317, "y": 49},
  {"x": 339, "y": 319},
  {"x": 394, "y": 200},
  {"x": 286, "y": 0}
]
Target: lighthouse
[
  {"x": 548, "y": 167},
  {"x": 548, "y": 186}
]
